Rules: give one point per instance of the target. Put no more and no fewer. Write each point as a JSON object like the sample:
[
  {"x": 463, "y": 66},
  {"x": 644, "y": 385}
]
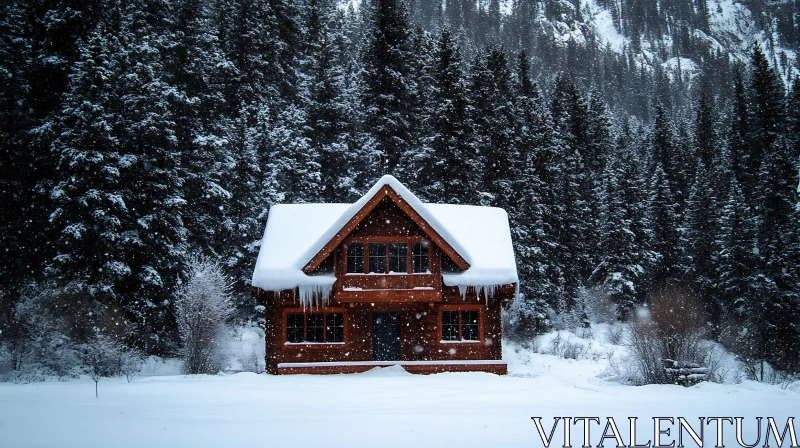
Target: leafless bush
[
  {"x": 102, "y": 358},
  {"x": 202, "y": 308},
  {"x": 667, "y": 343},
  {"x": 585, "y": 332},
  {"x": 533, "y": 345},
  {"x": 42, "y": 346},
  {"x": 572, "y": 350},
  {"x": 615, "y": 333},
  {"x": 762, "y": 371},
  {"x": 130, "y": 363},
  {"x": 557, "y": 345},
  {"x": 565, "y": 348},
  {"x": 599, "y": 306}
]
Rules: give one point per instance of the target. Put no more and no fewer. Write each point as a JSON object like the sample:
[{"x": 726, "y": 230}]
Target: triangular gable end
[{"x": 386, "y": 190}]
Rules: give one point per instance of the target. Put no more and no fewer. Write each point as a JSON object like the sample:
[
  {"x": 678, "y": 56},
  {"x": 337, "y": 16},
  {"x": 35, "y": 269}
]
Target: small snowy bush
[
  {"x": 42, "y": 345},
  {"x": 101, "y": 358},
  {"x": 202, "y": 307},
  {"x": 615, "y": 334}
]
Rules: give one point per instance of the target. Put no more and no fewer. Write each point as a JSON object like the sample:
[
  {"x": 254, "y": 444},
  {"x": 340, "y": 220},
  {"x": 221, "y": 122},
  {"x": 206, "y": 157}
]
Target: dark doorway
[{"x": 385, "y": 336}]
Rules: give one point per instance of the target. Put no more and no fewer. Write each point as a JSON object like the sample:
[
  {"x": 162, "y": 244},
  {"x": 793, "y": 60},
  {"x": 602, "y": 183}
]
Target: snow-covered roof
[{"x": 295, "y": 233}]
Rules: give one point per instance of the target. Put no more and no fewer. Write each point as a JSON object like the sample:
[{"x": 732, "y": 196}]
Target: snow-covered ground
[{"x": 384, "y": 407}]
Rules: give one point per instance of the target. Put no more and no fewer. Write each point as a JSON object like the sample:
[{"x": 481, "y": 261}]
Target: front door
[{"x": 385, "y": 337}]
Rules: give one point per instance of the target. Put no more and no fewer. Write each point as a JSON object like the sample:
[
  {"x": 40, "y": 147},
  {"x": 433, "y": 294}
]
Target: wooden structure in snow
[{"x": 385, "y": 281}]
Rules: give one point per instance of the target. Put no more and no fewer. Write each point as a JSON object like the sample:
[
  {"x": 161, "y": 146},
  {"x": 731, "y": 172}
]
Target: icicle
[
  {"x": 314, "y": 295},
  {"x": 462, "y": 289}
]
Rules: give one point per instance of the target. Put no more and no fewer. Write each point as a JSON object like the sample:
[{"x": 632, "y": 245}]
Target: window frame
[
  {"x": 387, "y": 241},
  {"x": 460, "y": 309},
  {"x": 347, "y": 257},
  {"x": 428, "y": 257},
  {"x": 305, "y": 313}
]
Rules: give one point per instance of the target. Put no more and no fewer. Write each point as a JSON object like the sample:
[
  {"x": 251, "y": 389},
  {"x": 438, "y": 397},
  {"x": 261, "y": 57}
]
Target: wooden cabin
[{"x": 388, "y": 280}]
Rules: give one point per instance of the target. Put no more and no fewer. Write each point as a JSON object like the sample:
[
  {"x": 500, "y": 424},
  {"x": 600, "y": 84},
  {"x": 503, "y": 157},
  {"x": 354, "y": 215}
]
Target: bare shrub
[
  {"x": 202, "y": 307},
  {"x": 572, "y": 350},
  {"x": 585, "y": 333},
  {"x": 565, "y": 348},
  {"x": 100, "y": 358},
  {"x": 130, "y": 363},
  {"x": 557, "y": 345},
  {"x": 599, "y": 306},
  {"x": 43, "y": 344},
  {"x": 764, "y": 372},
  {"x": 667, "y": 342},
  {"x": 533, "y": 345},
  {"x": 615, "y": 333}
]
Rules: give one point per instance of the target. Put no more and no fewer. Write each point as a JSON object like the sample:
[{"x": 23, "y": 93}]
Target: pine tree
[
  {"x": 765, "y": 112},
  {"x": 386, "y": 79},
  {"x": 736, "y": 267},
  {"x": 665, "y": 221},
  {"x": 450, "y": 163},
  {"x": 90, "y": 212},
  {"x": 535, "y": 200},
  {"x": 700, "y": 218},
  {"x": 196, "y": 68},
  {"x": 738, "y": 136},
  {"x": 328, "y": 102},
  {"x": 21, "y": 224},
  {"x": 570, "y": 111},
  {"x": 291, "y": 162},
  {"x": 778, "y": 250},
  {"x": 793, "y": 115},
  {"x": 666, "y": 152},
  {"x": 619, "y": 268},
  {"x": 494, "y": 107},
  {"x": 156, "y": 235}
]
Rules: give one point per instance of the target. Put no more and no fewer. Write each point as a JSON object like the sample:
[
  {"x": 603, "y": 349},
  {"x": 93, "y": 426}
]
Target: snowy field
[{"x": 384, "y": 407}]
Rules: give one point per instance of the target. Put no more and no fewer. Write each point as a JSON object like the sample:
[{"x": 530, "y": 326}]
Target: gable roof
[
  {"x": 389, "y": 187},
  {"x": 297, "y": 234}
]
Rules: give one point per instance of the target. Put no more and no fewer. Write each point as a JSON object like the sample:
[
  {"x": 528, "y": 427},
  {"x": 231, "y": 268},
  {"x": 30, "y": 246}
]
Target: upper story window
[
  {"x": 398, "y": 257},
  {"x": 388, "y": 258},
  {"x": 355, "y": 258},
  {"x": 419, "y": 257},
  {"x": 377, "y": 258}
]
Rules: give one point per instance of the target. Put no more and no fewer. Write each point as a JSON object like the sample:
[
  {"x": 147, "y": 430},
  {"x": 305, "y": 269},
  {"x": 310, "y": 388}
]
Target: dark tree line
[{"x": 138, "y": 134}]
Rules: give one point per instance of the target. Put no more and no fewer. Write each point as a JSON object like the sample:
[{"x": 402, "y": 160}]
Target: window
[
  {"x": 355, "y": 258},
  {"x": 377, "y": 258},
  {"x": 334, "y": 327},
  {"x": 460, "y": 325},
  {"x": 419, "y": 257},
  {"x": 449, "y": 325},
  {"x": 295, "y": 328},
  {"x": 398, "y": 261},
  {"x": 388, "y": 257},
  {"x": 469, "y": 325},
  {"x": 315, "y": 327}
]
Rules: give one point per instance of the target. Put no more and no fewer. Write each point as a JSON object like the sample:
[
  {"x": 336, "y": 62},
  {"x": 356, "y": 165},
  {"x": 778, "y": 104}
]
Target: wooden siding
[{"x": 420, "y": 330}]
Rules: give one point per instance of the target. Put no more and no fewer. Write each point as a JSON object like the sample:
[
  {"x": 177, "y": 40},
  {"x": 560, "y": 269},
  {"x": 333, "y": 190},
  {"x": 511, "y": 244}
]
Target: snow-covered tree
[{"x": 202, "y": 308}]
